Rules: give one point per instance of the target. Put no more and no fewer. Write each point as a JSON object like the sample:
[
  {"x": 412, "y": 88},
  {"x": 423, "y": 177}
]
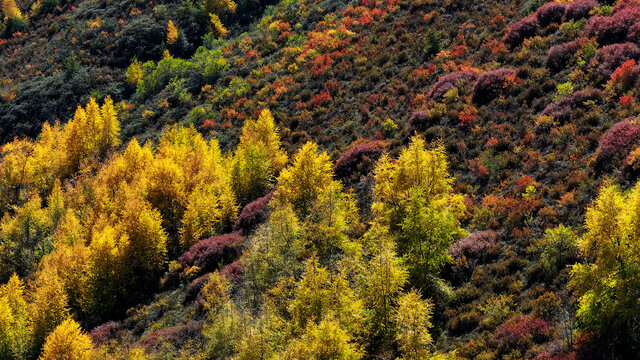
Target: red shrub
[
  {"x": 520, "y": 330},
  {"x": 350, "y": 161},
  {"x": 105, "y": 332},
  {"x": 450, "y": 81},
  {"x": 615, "y": 28},
  {"x": 578, "y": 9},
  {"x": 521, "y": 30},
  {"x": 550, "y": 13},
  {"x": 176, "y": 335},
  {"x": 609, "y": 58},
  {"x": 209, "y": 253},
  {"x": 490, "y": 84},
  {"x": 560, "y": 55},
  {"x": 562, "y": 109},
  {"x": 252, "y": 215},
  {"x": 618, "y": 140}
]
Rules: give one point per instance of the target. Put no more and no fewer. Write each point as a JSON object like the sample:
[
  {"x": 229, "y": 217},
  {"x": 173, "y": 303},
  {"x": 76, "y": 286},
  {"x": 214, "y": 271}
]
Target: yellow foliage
[
  {"x": 413, "y": 320},
  {"x": 67, "y": 342},
  {"x": 48, "y": 307},
  {"x": 216, "y": 26},
  {"x": 172, "y": 33},
  {"x": 218, "y": 6},
  {"x": 134, "y": 73},
  {"x": 327, "y": 340},
  {"x": 301, "y": 183},
  {"x": 13, "y": 320},
  {"x": 10, "y": 10}
]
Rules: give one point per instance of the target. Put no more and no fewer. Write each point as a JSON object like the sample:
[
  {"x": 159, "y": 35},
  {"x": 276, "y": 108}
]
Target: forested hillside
[{"x": 319, "y": 179}]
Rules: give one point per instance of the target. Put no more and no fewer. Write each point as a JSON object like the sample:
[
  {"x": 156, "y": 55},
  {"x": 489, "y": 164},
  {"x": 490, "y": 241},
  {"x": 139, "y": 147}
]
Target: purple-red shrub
[
  {"x": 450, "y": 81},
  {"x": 348, "y": 163},
  {"x": 252, "y": 215},
  {"x": 419, "y": 121},
  {"x": 550, "y": 13},
  {"x": 175, "y": 335},
  {"x": 609, "y": 58},
  {"x": 105, "y": 332},
  {"x": 521, "y": 330},
  {"x": 562, "y": 109},
  {"x": 209, "y": 253},
  {"x": 618, "y": 140},
  {"x": 615, "y": 28},
  {"x": 475, "y": 245},
  {"x": 521, "y": 30},
  {"x": 490, "y": 84},
  {"x": 578, "y": 9},
  {"x": 560, "y": 55},
  {"x": 234, "y": 271}
]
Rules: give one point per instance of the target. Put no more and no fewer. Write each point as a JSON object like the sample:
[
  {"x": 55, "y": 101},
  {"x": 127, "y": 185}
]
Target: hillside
[{"x": 319, "y": 179}]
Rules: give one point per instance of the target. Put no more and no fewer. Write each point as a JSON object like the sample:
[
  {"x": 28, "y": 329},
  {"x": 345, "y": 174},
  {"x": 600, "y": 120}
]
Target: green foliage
[{"x": 413, "y": 320}]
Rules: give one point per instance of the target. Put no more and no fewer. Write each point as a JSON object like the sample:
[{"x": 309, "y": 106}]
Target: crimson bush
[
  {"x": 490, "y": 84},
  {"x": 521, "y": 30},
  {"x": 550, "y": 13},
  {"x": 609, "y": 58},
  {"x": 252, "y": 215},
  {"x": 520, "y": 330},
  {"x": 209, "y": 253},
  {"x": 559, "y": 56},
  {"x": 618, "y": 140},
  {"x": 348, "y": 163},
  {"x": 578, "y": 9}
]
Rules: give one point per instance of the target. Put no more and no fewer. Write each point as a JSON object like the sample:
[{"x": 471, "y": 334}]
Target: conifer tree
[
  {"x": 67, "y": 342},
  {"x": 172, "y": 33}
]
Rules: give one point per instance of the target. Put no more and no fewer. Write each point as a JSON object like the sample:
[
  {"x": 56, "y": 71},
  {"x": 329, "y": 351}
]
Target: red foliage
[
  {"x": 521, "y": 329},
  {"x": 321, "y": 98},
  {"x": 449, "y": 81},
  {"x": 626, "y": 74},
  {"x": 578, "y": 9},
  {"x": 521, "y": 30},
  {"x": 618, "y": 140},
  {"x": 626, "y": 101},
  {"x": 209, "y": 253},
  {"x": 550, "y": 13},
  {"x": 234, "y": 271},
  {"x": 490, "y": 84},
  {"x": 367, "y": 153},
  {"x": 611, "y": 57},
  {"x": 252, "y": 215}
]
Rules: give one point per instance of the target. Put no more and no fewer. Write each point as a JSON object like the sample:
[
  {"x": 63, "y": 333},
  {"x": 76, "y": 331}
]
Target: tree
[
  {"x": 326, "y": 340},
  {"x": 413, "y": 320},
  {"x": 414, "y": 199},
  {"x": 218, "y": 6},
  {"x": 172, "y": 33},
  {"x": 14, "y": 337},
  {"x": 48, "y": 308},
  {"x": 382, "y": 278},
  {"x": 301, "y": 183},
  {"x": 607, "y": 285},
  {"x": 258, "y": 158},
  {"x": 10, "y": 10},
  {"x": 217, "y": 27},
  {"x": 67, "y": 342}
]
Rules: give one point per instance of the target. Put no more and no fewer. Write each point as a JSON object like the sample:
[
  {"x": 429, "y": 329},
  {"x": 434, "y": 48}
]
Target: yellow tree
[
  {"x": 413, "y": 320},
  {"x": 301, "y": 183},
  {"x": 172, "y": 33},
  {"x": 13, "y": 320},
  {"x": 258, "y": 158},
  {"x": 326, "y": 340},
  {"x": 48, "y": 307},
  {"x": 10, "y": 10},
  {"x": 67, "y": 342}
]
